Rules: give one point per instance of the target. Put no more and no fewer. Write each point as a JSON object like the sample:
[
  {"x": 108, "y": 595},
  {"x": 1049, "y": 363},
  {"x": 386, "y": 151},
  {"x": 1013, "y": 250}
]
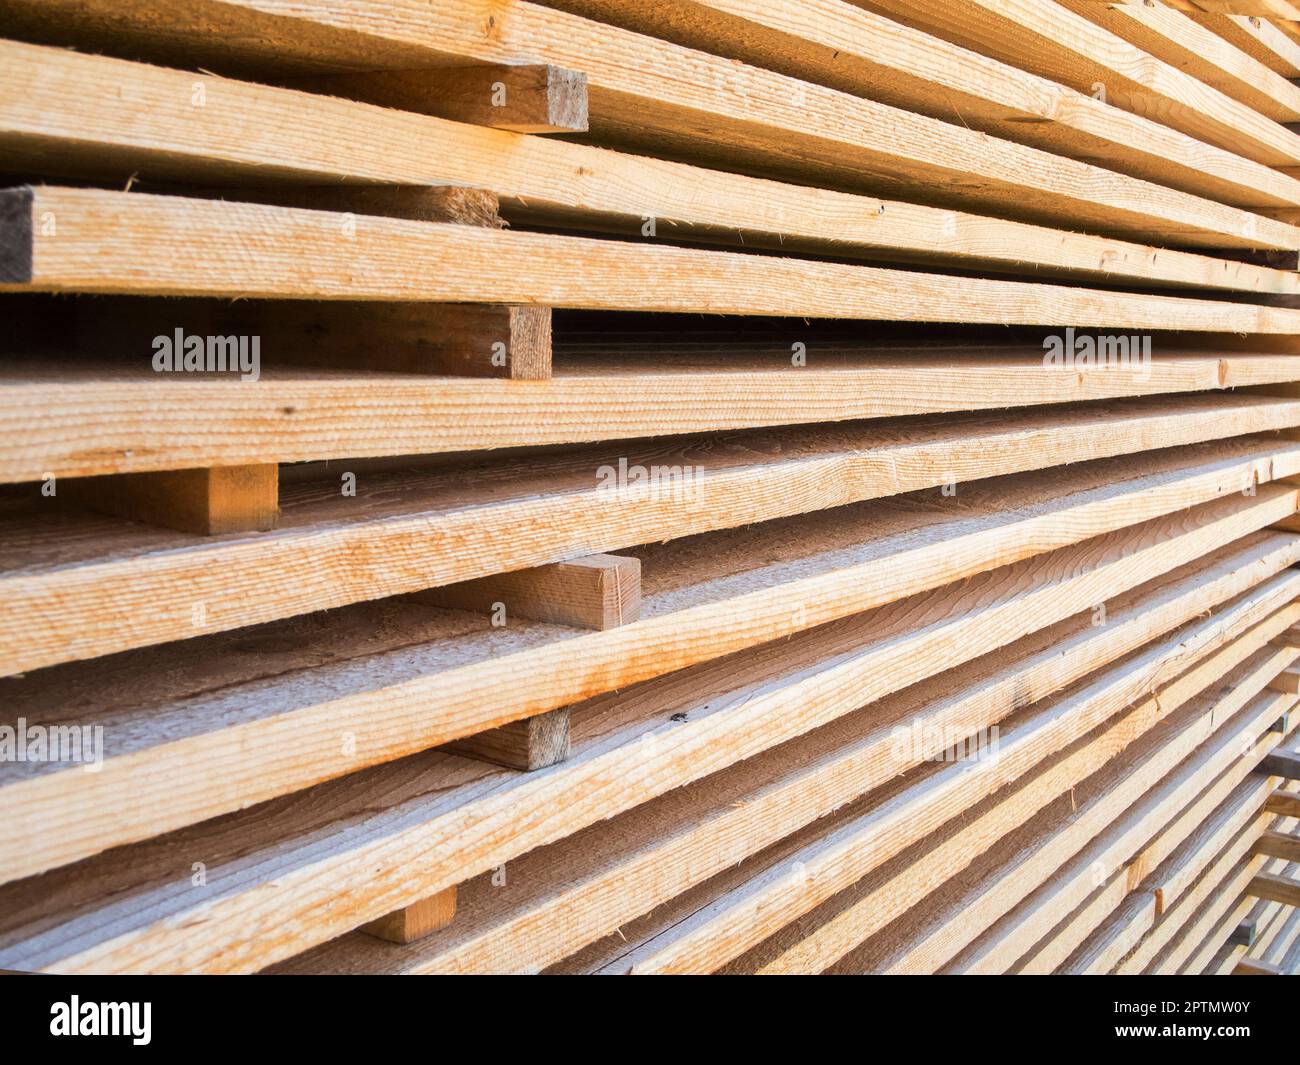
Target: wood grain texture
[
  {"x": 86, "y": 419},
  {"x": 1283, "y": 802},
  {"x": 925, "y": 941},
  {"x": 1286, "y": 681},
  {"x": 208, "y": 502},
  {"x": 768, "y": 899},
  {"x": 528, "y": 745},
  {"x": 705, "y": 598},
  {"x": 522, "y": 97},
  {"x": 64, "y": 112},
  {"x": 1252, "y": 967},
  {"x": 563, "y": 896},
  {"x": 1054, "y": 42},
  {"x": 417, "y": 527},
  {"x": 1105, "y": 926},
  {"x": 664, "y": 99},
  {"x": 1279, "y": 845},
  {"x": 187, "y": 247},
  {"x": 1178, "y": 40},
  {"x": 832, "y": 43},
  {"x": 1177, "y": 931},
  {"x": 446, "y": 820},
  {"x": 1275, "y": 887},
  {"x": 414, "y": 922},
  {"x": 1256, "y": 37},
  {"x": 592, "y": 592}
]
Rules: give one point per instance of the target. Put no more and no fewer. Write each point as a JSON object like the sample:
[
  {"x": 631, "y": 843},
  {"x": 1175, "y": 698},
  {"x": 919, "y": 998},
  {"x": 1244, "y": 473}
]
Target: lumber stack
[{"x": 605, "y": 487}]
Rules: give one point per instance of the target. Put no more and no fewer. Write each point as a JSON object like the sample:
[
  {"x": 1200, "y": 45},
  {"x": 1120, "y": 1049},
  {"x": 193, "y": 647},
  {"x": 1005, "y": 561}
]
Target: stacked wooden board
[{"x": 605, "y": 487}]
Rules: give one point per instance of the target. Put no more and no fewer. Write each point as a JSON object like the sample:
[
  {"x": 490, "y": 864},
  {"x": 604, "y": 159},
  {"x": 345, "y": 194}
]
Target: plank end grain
[
  {"x": 16, "y": 236},
  {"x": 415, "y": 921},
  {"x": 207, "y": 502}
]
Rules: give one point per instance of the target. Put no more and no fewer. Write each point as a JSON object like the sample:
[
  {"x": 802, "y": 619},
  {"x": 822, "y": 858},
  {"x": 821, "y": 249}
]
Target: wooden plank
[
  {"x": 801, "y": 574},
  {"x": 462, "y": 339},
  {"x": 95, "y": 589},
  {"x": 1256, "y": 37},
  {"x": 528, "y": 745},
  {"x": 1284, "y": 764},
  {"x": 926, "y": 939},
  {"x": 209, "y": 501},
  {"x": 668, "y": 99},
  {"x": 456, "y": 204},
  {"x": 1279, "y": 845},
  {"x": 82, "y": 114},
  {"x": 1135, "y": 934},
  {"x": 415, "y": 922},
  {"x": 1254, "y": 967},
  {"x": 1283, "y": 802},
  {"x": 1178, "y": 40},
  {"x": 597, "y": 592},
  {"x": 1283, "y": 889},
  {"x": 825, "y": 42},
  {"x": 593, "y": 592},
  {"x": 522, "y": 97},
  {"x": 1286, "y": 681},
  {"x": 1056, "y": 43},
  {"x": 94, "y": 417},
  {"x": 391, "y": 259},
  {"x": 1205, "y": 932},
  {"x": 1104, "y": 797},
  {"x": 444, "y": 819},
  {"x": 1181, "y": 932},
  {"x": 571, "y": 892},
  {"x": 1152, "y": 854}
]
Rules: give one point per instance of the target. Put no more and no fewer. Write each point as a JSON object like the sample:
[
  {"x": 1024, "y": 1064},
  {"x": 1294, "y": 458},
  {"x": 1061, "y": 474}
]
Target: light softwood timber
[
  {"x": 414, "y": 922},
  {"x": 1178, "y": 933},
  {"x": 833, "y": 43},
  {"x": 473, "y": 340},
  {"x": 1283, "y": 802},
  {"x": 66, "y": 112},
  {"x": 1104, "y": 930},
  {"x": 91, "y": 418},
  {"x": 1197, "y": 943},
  {"x": 1254, "y": 967},
  {"x": 456, "y": 523},
  {"x": 209, "y": 501},
  {"x": 1256, "y": 37},
  {"x": 521, "y": 97},
  {"x": 593, "y": 592},
  {"x": 1172, "y": 37},
  {"x": 665, "y": 99},
  {"x": 1285, "y": 941},
  {"x": 298, "y": 254},
  {"x": 1285, "y": 764},
  {"x": 446, "y": 819},
  {"x": 597, "y": 592},
  {"x": 1286, "y": 681},
  {"x": 417, "y": 203},
  {"x": 1056, "y": 43},
  {"x": 926, "y": 942},
  {"x": 798, "y": 575},
  {"x": 1279, "y": 845},
  {"x": 770, "y": 897},
  {"x": 567, "y": 894},
  {"x": 1283, "y": 889},
  {"x": 1215, "y": 955},
  {"x": 1194, "y": 950},
  {"x": 528, "y": 745}
]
